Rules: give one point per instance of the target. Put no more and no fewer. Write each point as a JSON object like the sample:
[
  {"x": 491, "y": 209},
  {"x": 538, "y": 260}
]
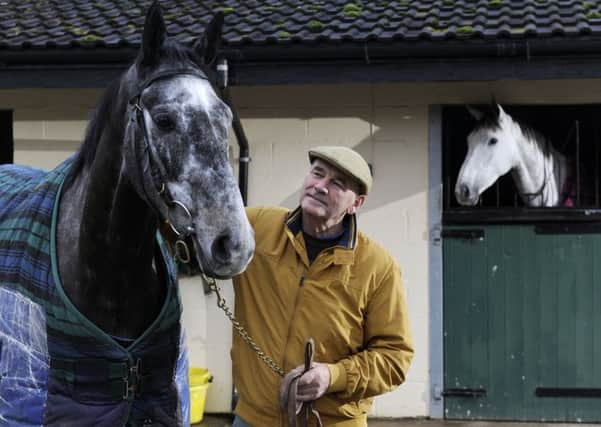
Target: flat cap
[{"x": 347, "y": 160}]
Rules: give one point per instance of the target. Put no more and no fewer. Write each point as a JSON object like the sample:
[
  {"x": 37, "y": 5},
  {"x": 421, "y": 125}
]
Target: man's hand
[
  {"x": 311, "y": 386},
  {"x": 314, "y": 383}
]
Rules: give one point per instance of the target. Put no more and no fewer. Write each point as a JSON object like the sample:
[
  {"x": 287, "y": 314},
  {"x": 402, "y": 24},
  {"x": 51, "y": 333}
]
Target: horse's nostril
[
  {"x": 465, "y": 191},
  {"x": 222, "y": 248}
]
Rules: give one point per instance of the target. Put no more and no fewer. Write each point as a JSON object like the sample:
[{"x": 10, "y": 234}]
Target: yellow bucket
[{"x": 199, "y": 382}]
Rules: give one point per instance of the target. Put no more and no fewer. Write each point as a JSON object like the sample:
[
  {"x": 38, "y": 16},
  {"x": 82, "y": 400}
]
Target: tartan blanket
[{"x": 56, "y": 367}]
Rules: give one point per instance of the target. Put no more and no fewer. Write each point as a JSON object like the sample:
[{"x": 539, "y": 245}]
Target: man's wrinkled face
[{"x": 328, "y": 194}]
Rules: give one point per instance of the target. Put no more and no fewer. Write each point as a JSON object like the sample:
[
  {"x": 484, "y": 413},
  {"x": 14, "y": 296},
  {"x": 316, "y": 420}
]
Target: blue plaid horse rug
[{"x": 57, "y": 367}]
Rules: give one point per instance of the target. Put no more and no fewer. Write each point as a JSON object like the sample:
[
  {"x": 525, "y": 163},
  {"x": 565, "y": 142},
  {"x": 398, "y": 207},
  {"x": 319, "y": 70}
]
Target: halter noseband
[{"x": 149, "y": 172}]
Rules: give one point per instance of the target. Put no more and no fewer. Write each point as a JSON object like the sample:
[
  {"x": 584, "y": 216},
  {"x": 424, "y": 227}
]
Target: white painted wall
[
  {"x": 284, "y": 122},
  {"x": 387, "y": 123}
]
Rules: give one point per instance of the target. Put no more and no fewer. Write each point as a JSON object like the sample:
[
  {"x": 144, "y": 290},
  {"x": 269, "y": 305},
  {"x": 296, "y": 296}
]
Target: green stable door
[{"x": 522, "y": 323}]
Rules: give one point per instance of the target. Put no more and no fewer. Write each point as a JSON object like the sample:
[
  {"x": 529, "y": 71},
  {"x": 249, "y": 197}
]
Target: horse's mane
[
  {"x": 87, "y": 151},
  {"x": 173, "y": 53},
  {"x": 491, "y": 121},
  {"x": 534, "y": 136}
]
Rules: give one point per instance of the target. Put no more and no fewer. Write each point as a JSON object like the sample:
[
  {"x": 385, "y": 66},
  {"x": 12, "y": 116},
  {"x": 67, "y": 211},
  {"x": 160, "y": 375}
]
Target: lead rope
[
  {"x": 221, "y": 303},
  {"x": 305, "y": 409}
]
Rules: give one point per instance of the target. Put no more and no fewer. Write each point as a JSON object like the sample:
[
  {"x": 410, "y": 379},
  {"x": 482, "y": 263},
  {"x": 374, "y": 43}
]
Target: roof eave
[{"x": 345, "y": 62}]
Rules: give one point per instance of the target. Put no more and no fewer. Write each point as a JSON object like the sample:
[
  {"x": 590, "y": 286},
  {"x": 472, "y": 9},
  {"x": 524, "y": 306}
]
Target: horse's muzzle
[
  {"x": 228, "y": 256},
  {"x": 464, "y": 196}
]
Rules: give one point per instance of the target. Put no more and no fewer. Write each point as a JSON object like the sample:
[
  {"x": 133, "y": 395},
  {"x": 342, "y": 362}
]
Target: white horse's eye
[{"x": 492, "y": 141}]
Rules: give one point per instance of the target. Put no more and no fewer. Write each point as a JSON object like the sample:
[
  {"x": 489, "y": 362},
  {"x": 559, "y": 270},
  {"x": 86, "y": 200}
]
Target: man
[{"x": 314, "y": 275}]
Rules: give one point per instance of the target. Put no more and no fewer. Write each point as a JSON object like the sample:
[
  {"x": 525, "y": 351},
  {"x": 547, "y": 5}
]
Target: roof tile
[{"x": 66, "y": 23}]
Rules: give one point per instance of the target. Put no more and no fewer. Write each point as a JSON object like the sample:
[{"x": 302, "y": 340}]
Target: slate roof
[{"x": 66, "y": 24}]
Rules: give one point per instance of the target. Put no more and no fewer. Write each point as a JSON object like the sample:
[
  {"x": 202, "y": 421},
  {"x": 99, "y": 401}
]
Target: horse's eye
[
  {"x": 492, "y": 141},
  {"x": 164, "y": 122}
]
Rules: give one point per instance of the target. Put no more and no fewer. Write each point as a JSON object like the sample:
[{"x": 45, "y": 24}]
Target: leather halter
[{"x": 147, "y": 171}]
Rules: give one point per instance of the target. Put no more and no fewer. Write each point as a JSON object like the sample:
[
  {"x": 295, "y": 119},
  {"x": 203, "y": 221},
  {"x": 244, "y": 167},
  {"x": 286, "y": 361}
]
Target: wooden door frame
[{"x": 436, "y": 403}]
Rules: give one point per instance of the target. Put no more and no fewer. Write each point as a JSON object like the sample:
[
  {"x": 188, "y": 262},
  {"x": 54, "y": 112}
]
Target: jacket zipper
[{"x": 301, "y": 283}]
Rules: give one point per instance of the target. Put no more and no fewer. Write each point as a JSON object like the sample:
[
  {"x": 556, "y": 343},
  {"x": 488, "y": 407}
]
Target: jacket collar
[{"x": 348, "y": 240}]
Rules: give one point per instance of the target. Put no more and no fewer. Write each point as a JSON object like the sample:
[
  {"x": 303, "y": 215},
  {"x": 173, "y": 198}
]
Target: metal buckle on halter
[
  {"x": 189, "y": 230},
  {"x": 182, "y": 252}
]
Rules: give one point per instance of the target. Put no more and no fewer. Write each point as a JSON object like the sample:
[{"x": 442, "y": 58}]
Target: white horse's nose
[
  {"x": 465, "y": 196},
  {"x": 464, "y": 192}
]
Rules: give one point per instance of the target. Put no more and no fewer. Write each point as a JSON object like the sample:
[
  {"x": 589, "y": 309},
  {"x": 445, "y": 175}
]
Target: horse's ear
[
  {"x": 209, "y": 44},
  {"x": 476, "y": 113},
  {"x": 495, "y": 108},
  {"x": 154, "y": 34}
]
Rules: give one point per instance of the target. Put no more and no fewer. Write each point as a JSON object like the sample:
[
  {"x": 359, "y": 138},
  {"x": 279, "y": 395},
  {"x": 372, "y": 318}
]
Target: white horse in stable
[{"x": 544, "y": 177}]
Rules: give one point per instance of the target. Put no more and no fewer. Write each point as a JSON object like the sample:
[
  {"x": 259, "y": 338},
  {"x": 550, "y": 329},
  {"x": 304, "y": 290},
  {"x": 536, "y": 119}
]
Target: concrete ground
[{"x": 211, "y": 420}]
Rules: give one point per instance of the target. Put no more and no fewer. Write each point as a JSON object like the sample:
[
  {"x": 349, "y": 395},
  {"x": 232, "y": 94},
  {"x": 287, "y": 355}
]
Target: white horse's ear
[
  {"x": 209, "y": 44},
  {"x": 476, "y": 113},
  {"x": 495, "y": 108},
  {"x": 501, "y": 111},
  {"x": 154, "y": 35}
]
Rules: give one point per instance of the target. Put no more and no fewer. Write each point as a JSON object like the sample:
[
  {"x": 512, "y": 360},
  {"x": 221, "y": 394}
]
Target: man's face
[{"x": 328, "y": 194}]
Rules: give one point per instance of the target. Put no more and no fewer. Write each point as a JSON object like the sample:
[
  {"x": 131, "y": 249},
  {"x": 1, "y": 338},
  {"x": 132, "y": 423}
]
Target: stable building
[{"x": 504, "y": 299}]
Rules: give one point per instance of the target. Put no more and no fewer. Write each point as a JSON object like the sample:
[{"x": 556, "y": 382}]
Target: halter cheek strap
[{"x": 147, "y": 171}]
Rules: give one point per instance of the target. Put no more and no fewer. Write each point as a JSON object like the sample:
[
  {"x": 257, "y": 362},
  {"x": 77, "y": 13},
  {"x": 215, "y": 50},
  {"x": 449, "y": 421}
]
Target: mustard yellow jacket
[{"x": 350, "y": 300}]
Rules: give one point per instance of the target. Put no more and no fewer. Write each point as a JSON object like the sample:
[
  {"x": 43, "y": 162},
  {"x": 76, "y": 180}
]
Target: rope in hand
[{"x": 290, "y": 406}]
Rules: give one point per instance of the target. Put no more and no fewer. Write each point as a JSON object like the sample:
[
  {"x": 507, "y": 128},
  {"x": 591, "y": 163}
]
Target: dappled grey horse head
[
  {"x": 177, "y": 154},
  {"x": 491, "y": 153}
]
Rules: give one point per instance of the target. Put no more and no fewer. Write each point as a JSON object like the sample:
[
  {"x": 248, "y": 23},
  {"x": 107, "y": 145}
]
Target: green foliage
[
  {"x": 466, "y": 29},
  {"x": 283, "y": 35},
  {"x": 90, "y": 38},
  {"x": 14, "y": 31},
  {"x": 315, "y": 25},
  {"x": 593, "y": 14},
  {"x": 226, "y": 10},
  {"x": 495, "y": 3},
  {"x": 76, "y": 30},
  {"x": 352, "y": 10}
]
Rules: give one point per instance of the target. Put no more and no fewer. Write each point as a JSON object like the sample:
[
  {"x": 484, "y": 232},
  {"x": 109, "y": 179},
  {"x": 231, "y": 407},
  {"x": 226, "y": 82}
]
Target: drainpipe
[{"x": 244, "y": 158}]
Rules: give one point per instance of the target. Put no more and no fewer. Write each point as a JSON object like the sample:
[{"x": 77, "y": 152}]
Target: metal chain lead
[{"x": 221, "y": 303}]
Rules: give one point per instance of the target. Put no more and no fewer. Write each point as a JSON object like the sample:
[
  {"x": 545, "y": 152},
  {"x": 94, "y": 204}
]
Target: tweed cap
[{"x": 347, "y": 160}]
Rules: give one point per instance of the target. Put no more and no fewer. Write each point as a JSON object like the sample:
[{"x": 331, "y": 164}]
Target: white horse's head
[{"x": 492, "y": 152}]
